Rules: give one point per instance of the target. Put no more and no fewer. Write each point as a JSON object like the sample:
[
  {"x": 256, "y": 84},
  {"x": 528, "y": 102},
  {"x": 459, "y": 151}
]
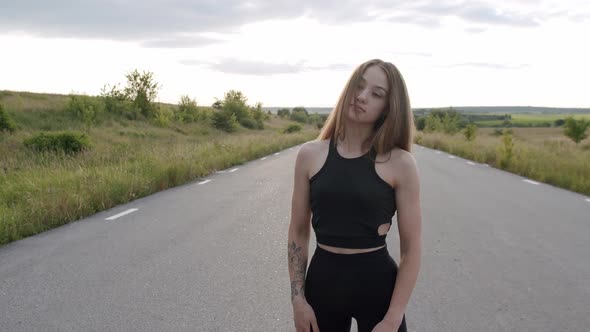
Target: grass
[
  {"x": 532, "y": 119},
  {"x": 542, "y": 154},
  {"x": 129, "y": 160}
]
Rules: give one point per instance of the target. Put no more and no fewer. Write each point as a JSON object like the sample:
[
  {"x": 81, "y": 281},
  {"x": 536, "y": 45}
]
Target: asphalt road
[{"x": 499, "y": 254}]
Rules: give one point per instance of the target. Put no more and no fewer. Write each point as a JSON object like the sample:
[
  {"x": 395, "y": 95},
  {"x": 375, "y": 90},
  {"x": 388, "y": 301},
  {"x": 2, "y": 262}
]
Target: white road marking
[
  {"x": 203, "y": 182},
  {"x": 531, "y": 181},
  {"x": 233, "y": 170},
  {"x": 276, "y": 153},
  {"x": 471, "y": 163},
  {"x": 221, "y": 171},
  {"x": 263, "y": 158},
  {"x": 588, "y": 200},
  {"x": 438, "y": 152},
  {"x": 121, "y": 214},
  {"x": 452, "y": 157}
]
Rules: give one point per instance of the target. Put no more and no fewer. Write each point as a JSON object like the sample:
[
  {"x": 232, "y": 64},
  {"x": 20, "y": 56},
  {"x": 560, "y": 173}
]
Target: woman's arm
[
  {"x": 299, "y": 227},
  {"x": 409, "y": 221}
]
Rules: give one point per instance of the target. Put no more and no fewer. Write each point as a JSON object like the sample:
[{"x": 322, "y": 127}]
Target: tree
[
  {"x": 187, "y": 109},
  {"x": 420, "y": 122},
  {"x": 142, "y": 90},
  {"x": 299, "y": 114},
  {"x": 575, "y": 129},
  {"x": 284, "y": 112},
  {"x": 506, "y": 149},
  {"x": 6, "y": 123},
  {"x": 470, "y": 131}
]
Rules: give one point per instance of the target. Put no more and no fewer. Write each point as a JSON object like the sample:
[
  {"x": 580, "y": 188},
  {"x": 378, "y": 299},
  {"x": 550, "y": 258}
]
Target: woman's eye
[{"x": 377, "y": 95}]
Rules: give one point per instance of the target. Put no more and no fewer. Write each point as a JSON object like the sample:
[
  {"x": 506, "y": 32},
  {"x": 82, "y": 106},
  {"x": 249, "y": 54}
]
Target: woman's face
[{"x": 371, "y": 96}]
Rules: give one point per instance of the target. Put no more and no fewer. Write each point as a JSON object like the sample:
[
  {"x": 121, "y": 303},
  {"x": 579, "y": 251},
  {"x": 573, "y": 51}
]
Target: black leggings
[{"x": 341, "y": 286}]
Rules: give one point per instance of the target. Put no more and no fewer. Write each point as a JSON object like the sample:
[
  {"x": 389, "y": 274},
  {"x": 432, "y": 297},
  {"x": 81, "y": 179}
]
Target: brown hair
[{"x": 395, "y": 128}]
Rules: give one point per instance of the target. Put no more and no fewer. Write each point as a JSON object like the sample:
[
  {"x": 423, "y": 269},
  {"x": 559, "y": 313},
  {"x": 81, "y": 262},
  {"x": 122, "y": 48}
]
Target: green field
[
  {"x": 542, "y": 154},
  {"x": 129, "y": 159}
]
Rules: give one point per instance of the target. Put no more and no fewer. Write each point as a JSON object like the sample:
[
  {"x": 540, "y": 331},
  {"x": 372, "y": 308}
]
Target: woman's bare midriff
[{"x": 338, "y": 250}]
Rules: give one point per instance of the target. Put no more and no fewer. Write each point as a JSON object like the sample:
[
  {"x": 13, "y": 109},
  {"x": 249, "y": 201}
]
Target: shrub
[
  {"x": 420, "y": 123},
  {"x": 187, "y": 109},
  {"x": 506, "y": 149},
  {"x": 6, "y": 123},
  {"x": 162, "y": 116},
  {"x": 470, "y": 132},
  {"x": 249, "y": 123},
  {"x": 284, "y": 112},
  {"x": 299, "y": 117},
  {"x": 115, "y": 102},
  {"x": 68, "y": 142},
  {"x": 85, "y": 108},
  {"x": 292, "y": 128},
  {"x": 225, "y": 121},
  {"x": 142, "y": 89},
  {"x": 575, "y": 129}
]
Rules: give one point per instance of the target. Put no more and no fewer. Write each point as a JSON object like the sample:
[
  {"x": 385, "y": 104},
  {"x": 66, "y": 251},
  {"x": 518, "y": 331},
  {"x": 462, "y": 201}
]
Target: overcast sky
[{"x": 301, "y": 52}]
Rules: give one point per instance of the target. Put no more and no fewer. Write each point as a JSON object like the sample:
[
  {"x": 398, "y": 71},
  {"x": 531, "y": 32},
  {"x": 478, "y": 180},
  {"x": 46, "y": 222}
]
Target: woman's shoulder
[{"x": 314, "y": 147}]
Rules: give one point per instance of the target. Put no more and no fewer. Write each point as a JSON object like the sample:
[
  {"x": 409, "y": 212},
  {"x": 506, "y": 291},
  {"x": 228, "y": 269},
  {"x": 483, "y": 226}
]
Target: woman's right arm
[
  {"x": 298, "y": 243},
  {"x": 299, "y": 227}
]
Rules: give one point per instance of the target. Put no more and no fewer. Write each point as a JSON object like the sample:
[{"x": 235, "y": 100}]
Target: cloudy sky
[{"x": 301, "y": 52}]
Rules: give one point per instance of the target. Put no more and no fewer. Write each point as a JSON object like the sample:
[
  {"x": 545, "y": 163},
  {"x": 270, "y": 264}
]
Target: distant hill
[{"x": 469, "y": 109}]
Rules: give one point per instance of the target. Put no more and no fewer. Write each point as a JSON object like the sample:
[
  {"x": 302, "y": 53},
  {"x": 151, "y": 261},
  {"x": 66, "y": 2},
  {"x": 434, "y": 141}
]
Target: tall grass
[
  {"x": 542, "y": 154},
  {"x": 129, "y": 160}
]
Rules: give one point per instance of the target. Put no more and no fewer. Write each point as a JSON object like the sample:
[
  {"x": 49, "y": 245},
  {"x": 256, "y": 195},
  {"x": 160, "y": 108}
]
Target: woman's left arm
[{"x": 409, "y": 220}]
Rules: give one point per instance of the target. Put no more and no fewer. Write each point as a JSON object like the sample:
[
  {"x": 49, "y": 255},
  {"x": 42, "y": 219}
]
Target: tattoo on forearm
[{"x": 298, "y": 263}]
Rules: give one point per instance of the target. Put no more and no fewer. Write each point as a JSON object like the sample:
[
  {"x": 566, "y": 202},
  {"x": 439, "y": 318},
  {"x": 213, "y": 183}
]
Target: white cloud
[{"x": 301, "y": 53}]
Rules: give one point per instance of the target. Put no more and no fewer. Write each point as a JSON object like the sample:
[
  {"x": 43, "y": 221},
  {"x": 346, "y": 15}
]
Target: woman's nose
[{"x": 361, "y": 96}]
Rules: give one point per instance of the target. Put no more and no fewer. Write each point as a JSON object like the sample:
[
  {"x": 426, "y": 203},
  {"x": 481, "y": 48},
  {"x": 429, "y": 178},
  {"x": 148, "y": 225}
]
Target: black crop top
[{"x": 349, "y": 201}]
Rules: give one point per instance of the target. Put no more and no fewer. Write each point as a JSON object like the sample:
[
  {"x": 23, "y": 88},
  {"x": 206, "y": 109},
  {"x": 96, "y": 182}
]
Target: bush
[
  {"x": 292, "y": 128},
  {"x": 506, "y": 149},
  {"x": 470, "y": 132},
  {"x": 249, "y": 123},
  {"x": 142, "y": 89},
  {"x": 115, "y": 102},
  {"x": 575, "y": 129},
  {"x": 420, "y": 123},
  {"x": 284, "y": 112},
  {"x": 85, "y": 108},
  {"x": 68, "y": 142},
  {"x": 187, "y": 109},
  {"x": 225, "y": 121},
  {"x": 299, "y": 117},
  {"x": 162, "y": 116},
  {"x": 6, "y": 123}
]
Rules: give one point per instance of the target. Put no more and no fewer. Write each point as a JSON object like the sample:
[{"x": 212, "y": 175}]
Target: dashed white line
[
  {"x": 233, "y": 170},
  {"x": 452, "y": 157},
  {"x": 437, "y": 152},
  {"x": 531, "y": 181},
  {"x": 221, "y": 171},
  {"x": 203, "y": 182},
  {"x": 264, "y": 158},
  {"x": 588, "y": 200},
  {"x": 471, "y": 163},
  {"x": 276, "y": 153},
  {"x": 121, "y": 214}
]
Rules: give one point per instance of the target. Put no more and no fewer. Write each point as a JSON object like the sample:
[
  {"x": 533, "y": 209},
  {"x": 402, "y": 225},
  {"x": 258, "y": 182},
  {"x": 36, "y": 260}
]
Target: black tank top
[{"x": 349, "y": 201}]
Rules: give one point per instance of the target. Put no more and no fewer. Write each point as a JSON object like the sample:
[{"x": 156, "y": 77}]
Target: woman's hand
[
  {"x": 304, "y": 317},
  {"x": 387, "y": 325}
]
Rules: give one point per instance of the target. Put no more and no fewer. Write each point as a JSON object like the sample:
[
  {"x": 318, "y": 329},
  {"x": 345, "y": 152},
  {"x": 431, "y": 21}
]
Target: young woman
[{"x": 350, "y": 182}]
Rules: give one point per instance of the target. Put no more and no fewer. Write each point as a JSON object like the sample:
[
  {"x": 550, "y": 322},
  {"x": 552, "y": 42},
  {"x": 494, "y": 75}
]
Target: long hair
[{"x": 395, "y": 128}]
